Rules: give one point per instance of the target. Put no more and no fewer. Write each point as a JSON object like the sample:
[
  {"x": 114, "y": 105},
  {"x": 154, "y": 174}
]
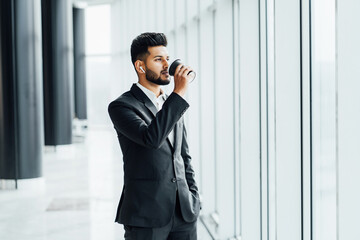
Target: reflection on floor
[{"x": 76, "y": 198}]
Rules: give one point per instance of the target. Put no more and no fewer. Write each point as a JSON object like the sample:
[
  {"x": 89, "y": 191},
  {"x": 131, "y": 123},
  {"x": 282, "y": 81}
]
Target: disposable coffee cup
[{"x": 173, "y": 67}]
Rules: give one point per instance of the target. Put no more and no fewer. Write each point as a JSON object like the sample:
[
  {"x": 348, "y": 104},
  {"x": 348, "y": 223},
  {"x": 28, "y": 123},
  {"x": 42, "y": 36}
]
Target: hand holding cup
[{"x": 183, "y": 75}]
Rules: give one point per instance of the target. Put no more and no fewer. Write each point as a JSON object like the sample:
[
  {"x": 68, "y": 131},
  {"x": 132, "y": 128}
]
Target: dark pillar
[
  {"x": 21, "y": 120},
  {"x": 58, "y": 71},
  {"x": 8, "y": 126},
  {"x": 79, "y": 63}
]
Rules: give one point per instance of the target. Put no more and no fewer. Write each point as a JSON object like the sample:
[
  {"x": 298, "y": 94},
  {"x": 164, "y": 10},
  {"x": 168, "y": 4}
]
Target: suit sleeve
[
  {"x": 189, "y": 171},
  {"x": 130, "y": 124}
]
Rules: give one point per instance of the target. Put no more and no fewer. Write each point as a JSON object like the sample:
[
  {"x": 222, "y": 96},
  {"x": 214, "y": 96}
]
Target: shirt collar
[{"x": 152, "y": 95}]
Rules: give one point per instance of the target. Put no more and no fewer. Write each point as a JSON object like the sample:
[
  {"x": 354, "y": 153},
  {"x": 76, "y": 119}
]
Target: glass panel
[
  {"x": 224, "y": 120},
  {"x": 97, "y": 29},
  {"x": 324, "y": 119},
  {"x": 207, "y": 128},
  {"x": 271, "y": 121},
  {"x": 98, "y": 76},
  {"x": 287, "y": 119},
  {"x": 348, "y": 115},
  {"x": 98, "y": 63}
]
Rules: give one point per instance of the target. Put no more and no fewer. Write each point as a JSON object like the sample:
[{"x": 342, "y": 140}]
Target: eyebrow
[{"x": 160, "y": 56}]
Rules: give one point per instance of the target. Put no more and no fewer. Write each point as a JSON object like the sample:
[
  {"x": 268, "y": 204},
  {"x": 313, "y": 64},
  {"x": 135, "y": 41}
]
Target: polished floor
[{"x": 76, "y": 198}]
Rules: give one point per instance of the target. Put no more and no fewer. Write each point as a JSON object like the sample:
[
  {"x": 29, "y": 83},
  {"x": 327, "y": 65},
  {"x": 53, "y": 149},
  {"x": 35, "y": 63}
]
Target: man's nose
[{"x": 166, "y": 64}]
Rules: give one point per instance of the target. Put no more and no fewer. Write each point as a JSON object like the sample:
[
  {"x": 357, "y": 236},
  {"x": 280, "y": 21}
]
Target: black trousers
[{"x": 176, "y": 229}]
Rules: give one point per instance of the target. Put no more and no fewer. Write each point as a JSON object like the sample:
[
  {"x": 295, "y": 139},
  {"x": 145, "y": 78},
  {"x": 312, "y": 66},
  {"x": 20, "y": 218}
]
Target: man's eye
[{"x": 159, "y": 59}]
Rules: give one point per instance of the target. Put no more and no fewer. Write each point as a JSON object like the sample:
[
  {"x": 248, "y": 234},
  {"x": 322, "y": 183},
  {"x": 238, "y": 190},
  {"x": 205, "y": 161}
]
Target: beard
[{"x": 154, "y": 78}]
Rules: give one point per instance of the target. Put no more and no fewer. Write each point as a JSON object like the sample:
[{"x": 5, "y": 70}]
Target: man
[{"x": 160, "y": 197}]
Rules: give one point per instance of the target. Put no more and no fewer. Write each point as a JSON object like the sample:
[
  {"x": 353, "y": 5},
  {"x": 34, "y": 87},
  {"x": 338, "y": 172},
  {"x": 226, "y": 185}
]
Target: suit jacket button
[{"x": 173, "y": 180}]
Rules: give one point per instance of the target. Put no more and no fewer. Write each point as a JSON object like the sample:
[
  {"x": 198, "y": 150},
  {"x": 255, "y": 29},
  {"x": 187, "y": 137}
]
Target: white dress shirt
[{"x": 158, "y": 102}]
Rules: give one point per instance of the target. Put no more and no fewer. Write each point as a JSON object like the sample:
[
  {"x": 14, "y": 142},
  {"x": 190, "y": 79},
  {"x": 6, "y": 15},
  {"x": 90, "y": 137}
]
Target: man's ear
[{"x": 139, "y": 66}]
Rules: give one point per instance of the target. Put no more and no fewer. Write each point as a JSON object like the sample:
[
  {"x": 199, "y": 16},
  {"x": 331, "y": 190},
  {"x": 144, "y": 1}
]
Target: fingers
[
  {"x": 186, "y": 71},
  {"x": 178, "y": 69},
  {"x": 182, "y": 70},
  {"x": 181, "y": 79}
]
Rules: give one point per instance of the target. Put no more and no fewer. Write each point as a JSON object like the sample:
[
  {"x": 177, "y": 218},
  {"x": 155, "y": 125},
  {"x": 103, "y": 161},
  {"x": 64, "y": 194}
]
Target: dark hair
[{"x": 139, "y": 46}]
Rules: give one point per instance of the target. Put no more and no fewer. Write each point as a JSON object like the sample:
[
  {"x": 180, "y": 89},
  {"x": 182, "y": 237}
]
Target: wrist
[{"x": 181, "y": 93}]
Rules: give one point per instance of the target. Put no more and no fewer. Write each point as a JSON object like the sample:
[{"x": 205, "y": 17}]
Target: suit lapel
[
  {"x": 140, "y": 95},
  {"x": 151, "y": 107}
]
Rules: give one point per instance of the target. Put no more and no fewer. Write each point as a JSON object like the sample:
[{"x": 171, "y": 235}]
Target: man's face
[{"x": 157, "y": 65}]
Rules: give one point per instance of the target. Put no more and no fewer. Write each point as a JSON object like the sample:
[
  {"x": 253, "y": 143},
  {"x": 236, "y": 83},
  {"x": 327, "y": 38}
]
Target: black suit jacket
[{"x": 154, "y": 170}]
